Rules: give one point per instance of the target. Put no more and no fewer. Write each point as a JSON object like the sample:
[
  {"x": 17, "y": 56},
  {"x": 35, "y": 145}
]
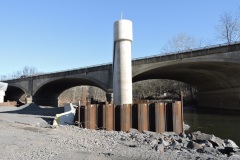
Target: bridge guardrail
[
  {"x": 67, "y": 70},
  {"x": 187, "y": 50},
  {"x": 137, "y": 59}
]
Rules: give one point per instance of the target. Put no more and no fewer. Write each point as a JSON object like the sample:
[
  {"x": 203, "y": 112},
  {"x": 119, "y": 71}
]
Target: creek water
[{"x": 224, "y": 124}]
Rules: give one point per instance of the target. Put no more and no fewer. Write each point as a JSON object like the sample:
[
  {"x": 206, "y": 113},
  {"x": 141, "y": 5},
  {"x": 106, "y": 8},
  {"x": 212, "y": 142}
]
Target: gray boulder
[
  {"x": 158, "y": 136},
  {"x": 167, "y": 134},
  {"x": 150, "y": 133},
  {"x": 193, "y": 145},
  {"x": 160, "y": 148},
  {"x": 174, "y": 143},
  {"x": 210, "y": 150},
  {"x": 185, "y": 127},
  {"x": 154, "y": 143},
  {"x": 133, "y": 131},
  {"x": 230, "y": 143},
  {"x": 216, "y": 142},
  {"x": 164, "y": 142}
]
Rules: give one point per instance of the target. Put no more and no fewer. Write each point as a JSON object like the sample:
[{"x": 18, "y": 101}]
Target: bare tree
[
  {"x": 29, "y": 71},
  {"x": 96, "y": 93},
  {"x": 228, "y": 29},
  {"x": 25, "y": 72},
  {"x": 155, "y": 88},
  {"x": 3, "y": 77},
  {"x": 75, "y": 93},
  {"x": 182, "y": 42},
  {"x": 16, "y": 74}
]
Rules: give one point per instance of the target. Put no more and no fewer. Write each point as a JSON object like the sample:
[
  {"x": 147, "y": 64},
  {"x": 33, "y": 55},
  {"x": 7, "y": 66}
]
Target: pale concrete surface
[{"x": 122, "y": 63}]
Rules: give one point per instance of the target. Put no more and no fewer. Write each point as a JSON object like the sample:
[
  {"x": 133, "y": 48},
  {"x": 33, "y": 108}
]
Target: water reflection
[{"x": 224, "y": 124}]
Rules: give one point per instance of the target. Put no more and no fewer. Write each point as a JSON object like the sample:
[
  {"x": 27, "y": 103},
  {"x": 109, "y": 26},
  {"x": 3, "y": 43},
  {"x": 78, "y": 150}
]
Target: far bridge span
[{"x": 213, "y": 71}]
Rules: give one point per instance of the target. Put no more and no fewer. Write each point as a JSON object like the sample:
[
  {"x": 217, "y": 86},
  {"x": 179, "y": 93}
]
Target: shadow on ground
[
  {"x": 34, "y": 109},
  {"x": 46, "y": 113}
]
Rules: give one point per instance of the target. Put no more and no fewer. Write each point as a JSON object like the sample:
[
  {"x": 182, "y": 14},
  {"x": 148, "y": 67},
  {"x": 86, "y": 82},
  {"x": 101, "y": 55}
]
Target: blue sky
[{"x": 55, "y": 35}]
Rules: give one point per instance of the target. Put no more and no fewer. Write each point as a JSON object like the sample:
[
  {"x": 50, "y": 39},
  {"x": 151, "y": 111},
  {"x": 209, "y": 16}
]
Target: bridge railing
[
  {"x": 162, "y": 56},
  {"x": 61, "y": 71}
]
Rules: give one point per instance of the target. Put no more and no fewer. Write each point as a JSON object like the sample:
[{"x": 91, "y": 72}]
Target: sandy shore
[{"x": 26, "y": 133}]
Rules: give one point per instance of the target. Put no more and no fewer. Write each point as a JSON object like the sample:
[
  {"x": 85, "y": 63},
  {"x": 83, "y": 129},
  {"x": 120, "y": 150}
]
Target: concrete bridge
[{"x": 213, "y": 71}]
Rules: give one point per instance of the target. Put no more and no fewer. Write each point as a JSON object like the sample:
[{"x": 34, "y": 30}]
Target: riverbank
[
  {"x": 220, "y": 122},
  {"x": 26, "y": 134}
]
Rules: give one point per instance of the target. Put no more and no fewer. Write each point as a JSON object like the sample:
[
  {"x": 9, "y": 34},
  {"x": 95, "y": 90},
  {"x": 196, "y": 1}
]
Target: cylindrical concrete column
[{"x": 122, "y": 63}]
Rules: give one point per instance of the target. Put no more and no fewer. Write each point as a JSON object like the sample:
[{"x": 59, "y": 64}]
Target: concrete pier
[{"x": 122, "y": 63}]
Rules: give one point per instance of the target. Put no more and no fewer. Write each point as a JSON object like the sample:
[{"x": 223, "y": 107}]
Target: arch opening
[
  {"x": 164, "y": 89},
  {"x": 204, "y": 76},
  {"x": 48, "y": 93},
  {"x": 14, "y": 93},
  {"x": 217, "y": 82},
  {"x": 74, "y": 95}
]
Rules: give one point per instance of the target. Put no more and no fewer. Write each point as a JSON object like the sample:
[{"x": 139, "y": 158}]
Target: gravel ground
[{"x": 26, "y": 133}]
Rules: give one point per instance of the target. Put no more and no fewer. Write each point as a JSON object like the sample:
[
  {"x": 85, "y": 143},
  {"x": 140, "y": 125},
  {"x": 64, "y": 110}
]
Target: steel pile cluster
[{"x": 157, "y": 117}]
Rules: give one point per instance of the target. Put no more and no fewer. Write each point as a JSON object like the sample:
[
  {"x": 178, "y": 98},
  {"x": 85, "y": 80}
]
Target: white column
[
  {"x": 3, "y": 88},
  {"x": 122, "y": 63},
  {"x": 2, "y": 94}
]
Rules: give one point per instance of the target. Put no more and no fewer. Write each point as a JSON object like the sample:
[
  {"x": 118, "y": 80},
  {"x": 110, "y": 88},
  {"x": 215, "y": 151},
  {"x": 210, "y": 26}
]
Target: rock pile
[
  {"x": 194, "y": 142},
  {"x": 152, "y": 145}
]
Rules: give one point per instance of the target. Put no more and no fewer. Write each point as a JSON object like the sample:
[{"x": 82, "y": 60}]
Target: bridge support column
[
  {"x": 122, "y": 63},
  {"x": 28, "y": 99}
]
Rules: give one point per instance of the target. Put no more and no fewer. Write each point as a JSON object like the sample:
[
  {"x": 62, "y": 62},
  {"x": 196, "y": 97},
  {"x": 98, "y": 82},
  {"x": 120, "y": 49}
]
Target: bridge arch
[
  {"x": 48, "y": 92},
  {"x": 14, "y": 92},
  {"x": 216, "y": 79},
  {"x": 204, "y": 74}
]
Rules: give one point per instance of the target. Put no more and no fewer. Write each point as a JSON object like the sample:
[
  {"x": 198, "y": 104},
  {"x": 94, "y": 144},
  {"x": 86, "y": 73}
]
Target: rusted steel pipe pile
[{"x": 157, "y": 117}]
